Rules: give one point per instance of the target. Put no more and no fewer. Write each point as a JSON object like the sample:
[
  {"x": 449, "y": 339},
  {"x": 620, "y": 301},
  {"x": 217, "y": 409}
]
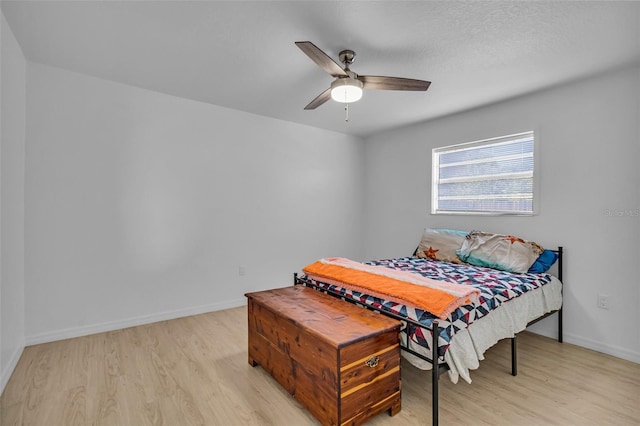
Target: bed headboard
[{"x": 559, "y": 252}]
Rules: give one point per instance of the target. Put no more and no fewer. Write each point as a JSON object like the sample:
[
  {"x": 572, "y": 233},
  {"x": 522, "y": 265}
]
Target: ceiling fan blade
[
  {"x": 393, "y": 83},
  {"x": 320, "y": 99},
  {"x": 321, "y": 58}
]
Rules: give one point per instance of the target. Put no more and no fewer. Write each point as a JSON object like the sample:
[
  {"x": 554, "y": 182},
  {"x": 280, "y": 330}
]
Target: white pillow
[{"x": 504, "y": 252}]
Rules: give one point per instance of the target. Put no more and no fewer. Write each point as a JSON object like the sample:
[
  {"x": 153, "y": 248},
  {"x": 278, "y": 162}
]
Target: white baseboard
[
  {"x": 11, "y": 365},
  {"x": 69, "y": 333},
  {"x": 612, "y": 350},
  {"x": 549, "y": 328}
]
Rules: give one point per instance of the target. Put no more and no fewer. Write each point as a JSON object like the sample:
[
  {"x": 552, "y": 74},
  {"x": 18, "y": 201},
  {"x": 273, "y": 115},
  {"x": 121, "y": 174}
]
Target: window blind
[{"x": 492, "y": 176}]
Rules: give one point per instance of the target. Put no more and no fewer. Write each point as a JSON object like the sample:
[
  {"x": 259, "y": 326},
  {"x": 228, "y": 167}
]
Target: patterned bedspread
[{"x": 496, "y": 287}]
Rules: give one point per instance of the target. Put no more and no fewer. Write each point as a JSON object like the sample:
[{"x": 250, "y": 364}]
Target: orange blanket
[{"x": 439, "y": 298}]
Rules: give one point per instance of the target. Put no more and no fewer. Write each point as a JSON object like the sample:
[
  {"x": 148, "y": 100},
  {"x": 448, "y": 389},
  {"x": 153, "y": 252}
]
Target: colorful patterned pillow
[
  {"x": 441, "y": 244},
  {"x": 504, "y": 252}
]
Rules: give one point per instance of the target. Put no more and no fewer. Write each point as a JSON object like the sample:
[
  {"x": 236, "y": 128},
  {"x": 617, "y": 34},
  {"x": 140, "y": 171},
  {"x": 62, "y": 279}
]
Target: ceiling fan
[{"x": 348, "y": 86}]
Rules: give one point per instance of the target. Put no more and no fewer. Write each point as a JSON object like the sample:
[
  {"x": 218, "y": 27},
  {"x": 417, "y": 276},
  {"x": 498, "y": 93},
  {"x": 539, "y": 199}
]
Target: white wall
[
  {"x": 142, "y": 206},
  {"x": 588, "y": 137},
  {"x": 12, "y": 148}
]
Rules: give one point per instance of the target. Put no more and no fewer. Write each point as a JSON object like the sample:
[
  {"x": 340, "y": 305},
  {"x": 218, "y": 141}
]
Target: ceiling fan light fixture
[{"x": 346, "y": 90}]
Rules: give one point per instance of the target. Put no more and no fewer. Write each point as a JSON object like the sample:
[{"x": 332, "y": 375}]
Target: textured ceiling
[{"x": 241, "y": 54}]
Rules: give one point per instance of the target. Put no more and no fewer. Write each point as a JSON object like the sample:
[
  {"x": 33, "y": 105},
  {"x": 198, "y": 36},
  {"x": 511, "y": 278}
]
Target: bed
[{"x": 502, "y": 302}]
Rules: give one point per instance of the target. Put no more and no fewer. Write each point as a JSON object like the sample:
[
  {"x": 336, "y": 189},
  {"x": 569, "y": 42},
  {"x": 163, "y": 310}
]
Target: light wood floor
[{"x": 194, "y": 371}]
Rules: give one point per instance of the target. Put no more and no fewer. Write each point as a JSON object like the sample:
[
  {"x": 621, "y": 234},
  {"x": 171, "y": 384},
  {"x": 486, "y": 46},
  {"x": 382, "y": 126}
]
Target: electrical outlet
[
  {"x": 603, "y": 301},
  {"x": 242, "y": 271}
]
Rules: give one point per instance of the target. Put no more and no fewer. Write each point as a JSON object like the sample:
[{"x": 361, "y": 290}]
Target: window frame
[{"x": 435, "y": 169}]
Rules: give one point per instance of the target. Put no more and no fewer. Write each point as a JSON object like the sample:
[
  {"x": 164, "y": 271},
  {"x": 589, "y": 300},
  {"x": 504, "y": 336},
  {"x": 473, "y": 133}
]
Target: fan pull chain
[{"x": 346, "y": 113}]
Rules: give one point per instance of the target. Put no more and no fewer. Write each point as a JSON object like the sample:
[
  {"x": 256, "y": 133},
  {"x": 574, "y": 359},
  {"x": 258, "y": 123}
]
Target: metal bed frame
[{"x": 437, "y": 367}]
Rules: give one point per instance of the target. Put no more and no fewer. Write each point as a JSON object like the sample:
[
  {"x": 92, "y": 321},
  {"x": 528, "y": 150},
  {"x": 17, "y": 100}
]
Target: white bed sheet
[{"x": 468, "y": 346}]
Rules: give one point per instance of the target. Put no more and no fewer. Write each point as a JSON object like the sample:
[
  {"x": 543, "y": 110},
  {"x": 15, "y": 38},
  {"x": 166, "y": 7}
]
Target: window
[{"x": 492, "y": 176}]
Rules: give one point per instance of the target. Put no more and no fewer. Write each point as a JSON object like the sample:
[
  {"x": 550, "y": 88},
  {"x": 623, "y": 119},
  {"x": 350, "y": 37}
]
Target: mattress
[{"x": 507, "y": 304}]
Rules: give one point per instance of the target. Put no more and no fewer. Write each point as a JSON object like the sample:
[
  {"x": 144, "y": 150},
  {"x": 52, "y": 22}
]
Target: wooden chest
[{"x": 339, "y": 360}]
